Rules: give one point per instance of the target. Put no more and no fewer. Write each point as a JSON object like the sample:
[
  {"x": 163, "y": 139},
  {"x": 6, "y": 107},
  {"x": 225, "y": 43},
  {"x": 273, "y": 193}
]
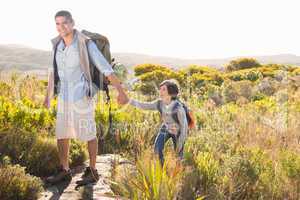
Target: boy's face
[
  {"x": 163, "y": 91},
  {"x": 64, "y": 26}
]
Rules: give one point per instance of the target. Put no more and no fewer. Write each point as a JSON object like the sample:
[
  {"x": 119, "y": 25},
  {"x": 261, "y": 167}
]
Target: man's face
[{"x": 64, "y": 26}]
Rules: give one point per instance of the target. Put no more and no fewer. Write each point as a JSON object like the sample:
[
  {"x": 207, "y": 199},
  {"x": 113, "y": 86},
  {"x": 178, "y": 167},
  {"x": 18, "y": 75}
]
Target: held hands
[{"x": 122, "y": 98}]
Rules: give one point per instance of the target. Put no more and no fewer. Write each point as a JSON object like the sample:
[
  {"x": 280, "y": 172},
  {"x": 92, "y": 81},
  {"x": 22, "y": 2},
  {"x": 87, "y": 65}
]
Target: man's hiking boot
[
  {"x": 86, "y": 172},
  {"x": 61, "y": 175},
  {"x": 90, "y": 175}
]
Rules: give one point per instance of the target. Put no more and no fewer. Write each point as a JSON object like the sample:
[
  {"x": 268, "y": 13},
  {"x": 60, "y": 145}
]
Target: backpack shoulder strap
[
  {"x": 174, "y": 112},
  {"x": 159, "y": 106}
]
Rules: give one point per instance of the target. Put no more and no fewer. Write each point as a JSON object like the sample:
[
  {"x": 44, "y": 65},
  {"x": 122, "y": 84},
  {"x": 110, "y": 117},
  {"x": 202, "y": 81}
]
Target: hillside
[{"x": 29, "y": 60}]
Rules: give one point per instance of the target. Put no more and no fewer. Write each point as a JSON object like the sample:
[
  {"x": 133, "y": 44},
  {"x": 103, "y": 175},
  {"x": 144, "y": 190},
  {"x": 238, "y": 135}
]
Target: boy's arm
[
  {"x": 183, "y": 127},
  {"x": 144, "y": 105}
]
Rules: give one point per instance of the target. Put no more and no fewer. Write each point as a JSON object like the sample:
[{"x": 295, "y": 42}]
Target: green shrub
[
  {"x": 290, "y": 163},
  {"x": 257, "y": 96},
  {"x": 146, "y": 68},
  {"x": 214, "y": 92},
  {"x": 229, "y": 92},
  {"x": 195, "y": 69},
  {"x": 247, "y": 175},
  {"x": 36, "y": 152},
  {"x": 244, "y": 88},
  {"x": 26, "y": 114},
  {"x": 242, "y": 63},
  {"x": 266, "y": 86},
  {"x": 151, "y": 181},
  {"x": 245, "y": 74},
  {"x": 207, "y": 171},
  {"x": 42, "y": 159},
  {"x": 78, "y": 153},
  {"x": 296, "y": 71},
  {"x": 5, "y": 89},
  {"x": 16, "y": 184},
  {"x": 253, "y": 75}
]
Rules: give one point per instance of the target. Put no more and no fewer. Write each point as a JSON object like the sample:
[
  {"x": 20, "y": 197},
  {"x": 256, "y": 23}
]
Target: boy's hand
[
  {"x": 122, "y": 98},
  {"x": 173, "y": 130}
]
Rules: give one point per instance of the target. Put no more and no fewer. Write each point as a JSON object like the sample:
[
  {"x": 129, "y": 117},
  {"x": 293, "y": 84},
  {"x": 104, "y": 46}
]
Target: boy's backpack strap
[
  {"x": 159, "y": 106},
  {"x": 175, "y": 111}
]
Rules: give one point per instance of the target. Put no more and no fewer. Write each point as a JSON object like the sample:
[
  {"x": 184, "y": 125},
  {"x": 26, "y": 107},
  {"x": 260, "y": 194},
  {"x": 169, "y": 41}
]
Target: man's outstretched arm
[
  {"x": 122, "y": 97},
  {"x": 100, "y": 62}
]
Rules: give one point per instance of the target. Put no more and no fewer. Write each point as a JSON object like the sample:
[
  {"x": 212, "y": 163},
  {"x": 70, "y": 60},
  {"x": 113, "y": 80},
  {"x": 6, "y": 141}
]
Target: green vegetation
[{"x": 245, "y": 146}]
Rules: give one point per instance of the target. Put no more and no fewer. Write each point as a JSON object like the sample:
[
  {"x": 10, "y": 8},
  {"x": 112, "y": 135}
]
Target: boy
[{"x": 168, "y": 92}]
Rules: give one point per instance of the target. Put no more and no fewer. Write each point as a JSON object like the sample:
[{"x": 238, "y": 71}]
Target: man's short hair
[
  {"x": 64, "y": 13},
  {"x": 172, "y": 87}
]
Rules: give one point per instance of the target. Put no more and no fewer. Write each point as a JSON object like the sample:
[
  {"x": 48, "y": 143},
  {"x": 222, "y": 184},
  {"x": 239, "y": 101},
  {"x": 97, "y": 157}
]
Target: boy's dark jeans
[{"x": 162, "y": 137}]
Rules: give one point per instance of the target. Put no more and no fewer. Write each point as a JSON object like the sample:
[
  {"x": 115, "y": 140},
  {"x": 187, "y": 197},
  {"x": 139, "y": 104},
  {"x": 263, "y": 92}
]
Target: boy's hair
[
  {"x": 64, "y": 13},
  {"x": 172, "y": 87}
]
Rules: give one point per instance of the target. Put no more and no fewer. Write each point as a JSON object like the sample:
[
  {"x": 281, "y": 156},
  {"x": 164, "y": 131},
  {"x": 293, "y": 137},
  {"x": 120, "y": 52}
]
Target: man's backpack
[
  {"x": 98, "y": 78},
  {"x": 189, "y": 115}
]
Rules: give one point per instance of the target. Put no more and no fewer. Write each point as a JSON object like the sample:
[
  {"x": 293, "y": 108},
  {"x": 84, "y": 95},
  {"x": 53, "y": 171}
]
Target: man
[{"x": 70, "y": 79}]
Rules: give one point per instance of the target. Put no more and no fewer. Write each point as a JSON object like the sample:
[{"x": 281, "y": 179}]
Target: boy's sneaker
[{"x": 61, "y": 175}]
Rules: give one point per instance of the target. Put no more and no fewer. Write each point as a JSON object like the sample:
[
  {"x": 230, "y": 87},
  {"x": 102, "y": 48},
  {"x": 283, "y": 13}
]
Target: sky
[{"x": 202, "y": 29}]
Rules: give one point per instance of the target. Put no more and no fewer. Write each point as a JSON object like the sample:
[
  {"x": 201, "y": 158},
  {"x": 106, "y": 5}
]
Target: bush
[
  {"x": 195, "y": 69},
  {"x": 5, "y": 89},
  {"x": 24, "y": 114},
  {"x": 248, "y": 174},
  {"x": 257, "y": 96},
  {"x": 16, "y": 184},
  {"x": 296, "y": 71},
  {"x": 214, "y": 92},
  {"x": 253, "y": 75},
  {"x": 245, "y": 74},
  {"x": 36, "y": 152},
  {"x": 207, "y": 170},
  {"x": 242, "y": 63},
  {"x": 146, "y": 68},
  {"x": 244, "y": 89},
  {"x": 152, "y": 80},
  {"x": 31, "y": 88},
  {"x": 151, "y": 181},
  {"x": 290, "y": 163},
  {"x": 229, "y": 92},
  {"x": 266, "y": 87}
]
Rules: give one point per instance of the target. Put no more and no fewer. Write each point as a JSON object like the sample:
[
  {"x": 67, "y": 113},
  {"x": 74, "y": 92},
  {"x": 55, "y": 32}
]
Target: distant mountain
[
  {"x": 130, "y": 59},
  {"x": 27, "y": 59}
]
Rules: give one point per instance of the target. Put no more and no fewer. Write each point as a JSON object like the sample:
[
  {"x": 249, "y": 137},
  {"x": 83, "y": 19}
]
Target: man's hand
[{"x": 122, "y": 97}]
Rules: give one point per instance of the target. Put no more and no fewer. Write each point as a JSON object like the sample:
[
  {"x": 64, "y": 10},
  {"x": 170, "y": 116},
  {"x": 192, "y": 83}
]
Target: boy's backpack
[
  {"x": 102, "y": 43},
  {"x": 189, "y": 114}
]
